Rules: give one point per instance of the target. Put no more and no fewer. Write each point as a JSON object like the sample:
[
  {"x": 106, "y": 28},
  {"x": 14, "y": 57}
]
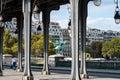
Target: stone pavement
[{"x": 9, "y": 74}]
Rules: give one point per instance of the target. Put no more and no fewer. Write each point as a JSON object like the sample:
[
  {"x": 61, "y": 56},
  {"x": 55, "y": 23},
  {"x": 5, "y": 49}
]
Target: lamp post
[{"x": 78, "y": 24}]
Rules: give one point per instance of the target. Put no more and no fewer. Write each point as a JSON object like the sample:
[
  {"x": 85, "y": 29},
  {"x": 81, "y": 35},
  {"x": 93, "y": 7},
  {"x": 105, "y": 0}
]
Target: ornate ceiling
[{"x": 11, "y": 8}]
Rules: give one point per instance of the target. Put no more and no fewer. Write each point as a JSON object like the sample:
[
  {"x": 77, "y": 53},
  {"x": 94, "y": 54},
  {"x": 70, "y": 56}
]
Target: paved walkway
[{"x": 9, "y": 74}]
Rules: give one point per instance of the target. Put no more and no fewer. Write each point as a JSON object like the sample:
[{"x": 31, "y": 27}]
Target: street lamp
[
  {"x": 36, "y": 12},
  {"x": 117, "y": 13},
  {"x": 97, "y": 2},
  {"x": 39, "y": 28},
  {"x": 69, "y": 27},
  {"x": 37, "y": 17},
  {"x": 117, "y": 17}
]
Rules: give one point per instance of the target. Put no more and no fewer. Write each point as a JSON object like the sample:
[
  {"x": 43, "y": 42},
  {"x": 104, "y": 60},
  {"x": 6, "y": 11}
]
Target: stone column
[
  {"x": 82, "y": 25},
  {"x": 20, "y": 32},
  {"x": 46, "y": 21},
  {"x": 27, "y": 38},
  {"x": 75, "y": 75},
  {"x": 1, "y": 49}
]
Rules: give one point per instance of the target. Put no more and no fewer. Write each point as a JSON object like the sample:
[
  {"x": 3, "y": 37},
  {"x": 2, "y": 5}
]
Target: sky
[{"x": 100, "y": 17}]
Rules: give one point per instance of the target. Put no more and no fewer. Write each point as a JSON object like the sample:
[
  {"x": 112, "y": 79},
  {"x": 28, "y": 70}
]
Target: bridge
[{"x": 23, "y": 10}]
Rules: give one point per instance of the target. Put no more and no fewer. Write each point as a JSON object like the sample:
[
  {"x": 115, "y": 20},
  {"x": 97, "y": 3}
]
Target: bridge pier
[
  {"x": 20, "y": 31},
  {"x": 27, "y": 39},
  {"x": 1, "y": 49}
]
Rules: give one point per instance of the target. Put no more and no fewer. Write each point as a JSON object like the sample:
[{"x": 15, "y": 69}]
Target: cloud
[
  {"x": 100, "y": 9},
  {"x": 98, "y": 17},
  {"x": 102, "y": 17},
  {"x": 61, "y": 14},
  {"x": 103, "y": 24},
  {"x": 64, "y": 23}
]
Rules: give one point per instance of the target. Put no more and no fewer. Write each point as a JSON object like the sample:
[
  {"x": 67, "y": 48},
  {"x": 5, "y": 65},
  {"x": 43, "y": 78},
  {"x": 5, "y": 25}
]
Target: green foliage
[
  {"x": 38, "y": 45},
  {"x": 96, "y": 49},
  {"x": 7, "y": 39},
  {"x": 111, "y": 48},
  {"x": 51, "y": 48},
  {"x": 10, "y": 44},
  {"x": 88, "y": 49},
  {"x": 7, "y": 50},
  {"x": 14, "y": 49}
]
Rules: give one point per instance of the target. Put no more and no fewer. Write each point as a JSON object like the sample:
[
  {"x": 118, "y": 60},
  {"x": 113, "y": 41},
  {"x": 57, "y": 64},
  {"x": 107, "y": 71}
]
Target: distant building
[
  {"x": 93, "y": 34},
  {"x": 58, "y": 34},
  {"x": 55, "y": 31},
  {"x": 67, "y": 46},
  {"x": 108, "y": 35}
]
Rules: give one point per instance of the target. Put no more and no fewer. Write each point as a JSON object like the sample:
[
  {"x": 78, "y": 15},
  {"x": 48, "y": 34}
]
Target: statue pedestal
[{"x": 54, "y": 58}]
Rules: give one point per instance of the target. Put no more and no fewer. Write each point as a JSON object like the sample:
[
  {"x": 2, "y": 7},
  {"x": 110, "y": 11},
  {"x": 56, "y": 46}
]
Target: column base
[
  {"x": 2, "y": 68},
  {"x": 1, "y": 73},
  {"x": 27, "y": 78},
  {"x": 84, "y": 76},
  {"x": 45, "y": 73},
  {"x": 19, "y": 70},
  {"x": 75, "y": 79}
]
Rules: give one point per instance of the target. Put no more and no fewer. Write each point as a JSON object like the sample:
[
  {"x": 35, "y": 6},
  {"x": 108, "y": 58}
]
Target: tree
[
  {"x": 7, "y": 39},
  {"x": 96, "y": 49},
  {"x": 106, "y": 52},
  {"x": 14, "y": 49},
  {"x": 38, "y": 45},
  {"x": 88, "y": 49},
  {"x": 9, "y": 43},
  {"x": 35, "y": 38},
  {"x": 7, "y": 50},
  {"x": 111, "y": 48},
  {"x": 51, "y": 47}
]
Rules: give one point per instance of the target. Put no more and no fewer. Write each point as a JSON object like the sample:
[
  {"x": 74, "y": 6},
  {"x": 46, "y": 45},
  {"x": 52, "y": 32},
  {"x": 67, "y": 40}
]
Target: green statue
[{"x": 59, "y": 46}]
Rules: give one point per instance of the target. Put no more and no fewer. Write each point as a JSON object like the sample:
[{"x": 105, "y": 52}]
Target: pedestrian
[{"x": 14, "y": 62}]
